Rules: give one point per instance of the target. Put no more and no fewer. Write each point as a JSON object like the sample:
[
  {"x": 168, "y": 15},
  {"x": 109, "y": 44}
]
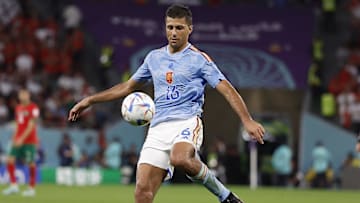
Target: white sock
[{"x": 208, "y": 179}]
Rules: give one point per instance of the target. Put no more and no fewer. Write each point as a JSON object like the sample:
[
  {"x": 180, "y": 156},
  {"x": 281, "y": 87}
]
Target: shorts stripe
[
  {"x": 196, "y": 131},
  {"x": 204, "y": 174}
]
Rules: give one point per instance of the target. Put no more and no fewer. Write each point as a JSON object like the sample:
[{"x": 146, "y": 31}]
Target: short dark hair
[{"x": 179, "y": 11}]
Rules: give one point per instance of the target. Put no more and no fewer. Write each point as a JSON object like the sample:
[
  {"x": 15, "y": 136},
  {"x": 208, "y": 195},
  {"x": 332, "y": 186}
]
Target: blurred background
[{"x": 295, "y": 62}]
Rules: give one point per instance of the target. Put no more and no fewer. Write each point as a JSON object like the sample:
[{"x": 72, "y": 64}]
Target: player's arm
[
  {"x": 14, "y": 135},
  {"x": 255, "y": 129},
  {"x": 30, "y": 127},
  {"x": 358, "y": 143},
  {"x": 116, "y": 92}
]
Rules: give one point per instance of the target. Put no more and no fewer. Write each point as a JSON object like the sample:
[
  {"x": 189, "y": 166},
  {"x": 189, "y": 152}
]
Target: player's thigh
[
  {"x": 28, "y": 153},
  {"x": 190, "y": 131},
  {"x": 15, "y": 153},
  {"x": 188, "y": 141},
  {"x": 157, "y": 158},
  {"x": 181, "y": 151},
  {"x": 149, "y": 177}
]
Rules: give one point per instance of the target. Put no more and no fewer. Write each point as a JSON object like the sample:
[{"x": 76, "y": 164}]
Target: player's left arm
[{"x": 255, "y": 129}]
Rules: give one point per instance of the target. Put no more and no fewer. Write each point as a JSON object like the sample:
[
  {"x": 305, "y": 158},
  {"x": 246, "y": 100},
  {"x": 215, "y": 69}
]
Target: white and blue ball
[{"x": 138, "y": 108}]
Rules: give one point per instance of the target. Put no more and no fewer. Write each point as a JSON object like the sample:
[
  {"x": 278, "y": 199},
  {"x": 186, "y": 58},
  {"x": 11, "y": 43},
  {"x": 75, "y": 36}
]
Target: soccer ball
[{"x": 138, "y": 108}]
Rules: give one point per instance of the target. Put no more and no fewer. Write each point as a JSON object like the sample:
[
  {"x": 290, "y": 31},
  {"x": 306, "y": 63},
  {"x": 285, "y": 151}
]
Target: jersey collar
[{"x": 177, "y": 53}]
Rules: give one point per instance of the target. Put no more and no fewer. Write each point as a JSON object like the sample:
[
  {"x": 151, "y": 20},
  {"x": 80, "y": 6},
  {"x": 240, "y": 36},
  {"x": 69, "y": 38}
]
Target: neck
[
  {"x": 174, "y": 50},
  {"x": 25, "y": 103}
]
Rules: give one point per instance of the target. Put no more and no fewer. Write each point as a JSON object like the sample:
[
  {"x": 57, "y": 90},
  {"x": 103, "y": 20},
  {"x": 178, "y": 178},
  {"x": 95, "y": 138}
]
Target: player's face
[
  {"x": 24, "y": 96},
  {"x": 177, "y": 33}
]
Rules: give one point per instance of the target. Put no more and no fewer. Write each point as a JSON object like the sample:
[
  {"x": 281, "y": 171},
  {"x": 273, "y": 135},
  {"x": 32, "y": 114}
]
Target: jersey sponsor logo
[{"x": 169, "y": 77}]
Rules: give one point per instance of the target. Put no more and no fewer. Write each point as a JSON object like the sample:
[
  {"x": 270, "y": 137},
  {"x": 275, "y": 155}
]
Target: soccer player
[
  {"x": 24, "y": 143},
  {"x": 179, "y": 72}
]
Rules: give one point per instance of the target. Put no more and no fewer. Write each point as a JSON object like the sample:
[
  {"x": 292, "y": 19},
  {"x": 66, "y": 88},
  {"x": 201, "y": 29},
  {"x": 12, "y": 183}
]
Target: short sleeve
[
  {"x": 143, "y": 72},
  {"x": 212, "y": 74}
]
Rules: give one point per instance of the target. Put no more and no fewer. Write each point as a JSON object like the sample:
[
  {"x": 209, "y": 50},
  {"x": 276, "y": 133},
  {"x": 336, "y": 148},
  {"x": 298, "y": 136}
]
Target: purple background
[{"x": 130, "y": 28}]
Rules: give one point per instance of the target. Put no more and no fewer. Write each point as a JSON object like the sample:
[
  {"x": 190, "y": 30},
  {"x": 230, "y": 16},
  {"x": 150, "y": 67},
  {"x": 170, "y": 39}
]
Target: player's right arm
[{"x": 116, "y": 92}]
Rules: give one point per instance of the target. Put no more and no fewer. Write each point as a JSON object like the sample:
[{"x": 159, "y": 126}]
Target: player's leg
[
  {"x": 10, "y": 164},
  {"x": 148, "y": 181},
  {"x": 184, "y": 155},
  {"x": 154, "y": 162},
  {"x": 29, "y": 156}
]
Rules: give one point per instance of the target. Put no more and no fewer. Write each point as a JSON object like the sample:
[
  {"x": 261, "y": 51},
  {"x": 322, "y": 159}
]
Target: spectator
[
  {"x": 91, "y": 148},
  {"x": 321, "y": 163},
  {"x": 40, "y": 155},
  {"x": 84, "y": 161},
  {"x": 65, "y": 151},
  {"x": 128, "y": 169},
  {"x": 281, "y": 162},
  {"x": 4, "y": 111},
  {"x": 24, "y": 63},
  {"x": 6, "y": 85},
  {"x": 346, "y": 101},
  {"x": 113, "y": 154},
  {"x": 329, "y": 15},
  {"x": 72, "y": 16}
]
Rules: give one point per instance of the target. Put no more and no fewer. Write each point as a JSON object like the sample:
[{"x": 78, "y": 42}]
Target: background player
[
  {"x": 179, "y": 72},
  {"x": 24, "y": 142}
]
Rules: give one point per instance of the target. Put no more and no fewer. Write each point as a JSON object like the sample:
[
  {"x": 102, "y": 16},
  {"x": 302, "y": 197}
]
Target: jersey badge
[{"x": 169, "y": 77}]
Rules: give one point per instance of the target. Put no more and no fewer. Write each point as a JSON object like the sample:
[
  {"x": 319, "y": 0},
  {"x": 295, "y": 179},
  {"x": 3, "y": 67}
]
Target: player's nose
[{"x": 173, "y": 33}]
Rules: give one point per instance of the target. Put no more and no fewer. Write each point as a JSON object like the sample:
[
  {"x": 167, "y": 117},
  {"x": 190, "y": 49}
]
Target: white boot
[
  {"x": 12, "y": 189},
  {"x": 30, "y": 192}
]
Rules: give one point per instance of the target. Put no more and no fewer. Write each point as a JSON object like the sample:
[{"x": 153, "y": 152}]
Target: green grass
[{"x": 179, "y": 194}]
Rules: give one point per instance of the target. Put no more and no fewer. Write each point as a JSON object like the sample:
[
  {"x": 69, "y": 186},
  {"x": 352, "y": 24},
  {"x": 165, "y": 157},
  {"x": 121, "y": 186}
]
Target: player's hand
[
  {"x": 18, "y": 142},
  {"x": 75, "y": 112},
  {"x": 358, "y": 147},
  {"x": 255, "y": 130}
]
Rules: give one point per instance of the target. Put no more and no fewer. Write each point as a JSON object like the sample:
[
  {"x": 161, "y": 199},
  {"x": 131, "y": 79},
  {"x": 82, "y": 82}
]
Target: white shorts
[{"x": 162, "y": 137}]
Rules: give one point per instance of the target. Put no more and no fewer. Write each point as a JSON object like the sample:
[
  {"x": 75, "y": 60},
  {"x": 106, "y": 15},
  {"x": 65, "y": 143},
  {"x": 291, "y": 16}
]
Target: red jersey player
[{"x": 24, "y": 142}]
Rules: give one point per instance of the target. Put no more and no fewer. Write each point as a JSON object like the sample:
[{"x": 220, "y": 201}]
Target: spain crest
[{"x": 169, "y": 77}]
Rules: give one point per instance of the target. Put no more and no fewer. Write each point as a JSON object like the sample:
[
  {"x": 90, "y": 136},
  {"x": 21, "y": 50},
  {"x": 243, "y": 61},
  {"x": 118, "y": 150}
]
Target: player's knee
[
  {"x": 10, "y": 160},
  {"x": 143, "y": 192},
  {"x": 179, "y": 161}
]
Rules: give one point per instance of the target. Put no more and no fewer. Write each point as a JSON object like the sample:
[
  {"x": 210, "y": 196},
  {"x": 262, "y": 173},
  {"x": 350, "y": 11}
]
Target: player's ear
[{"x": 190, "y": 29}]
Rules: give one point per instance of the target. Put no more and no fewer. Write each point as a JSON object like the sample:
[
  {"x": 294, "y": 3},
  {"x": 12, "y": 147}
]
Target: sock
[
  {"x": 32, "y": 171},
  {"x": 208, "y": 179},
  {"x": 11, "y": 171}
]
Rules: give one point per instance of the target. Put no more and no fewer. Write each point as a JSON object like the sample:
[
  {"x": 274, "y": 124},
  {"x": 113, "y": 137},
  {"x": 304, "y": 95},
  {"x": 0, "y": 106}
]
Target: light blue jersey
[
  {"x": 321, "y": 159},
  {"x": 179, "y": 81},
  {"x": 281, "y": 160}
]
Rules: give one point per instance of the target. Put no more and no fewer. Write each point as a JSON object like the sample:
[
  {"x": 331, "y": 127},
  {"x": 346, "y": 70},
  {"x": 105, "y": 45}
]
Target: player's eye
[
  {"x": 179, "y": 27},
  {"x": 170, "y": 27}
]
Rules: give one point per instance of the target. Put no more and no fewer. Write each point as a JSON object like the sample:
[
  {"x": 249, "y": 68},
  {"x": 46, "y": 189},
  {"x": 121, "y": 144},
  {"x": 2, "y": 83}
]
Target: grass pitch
[{"x": 178, "y": 194}]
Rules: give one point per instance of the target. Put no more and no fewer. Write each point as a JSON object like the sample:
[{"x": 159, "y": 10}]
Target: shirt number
[{"x": 172, "y": 93}]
